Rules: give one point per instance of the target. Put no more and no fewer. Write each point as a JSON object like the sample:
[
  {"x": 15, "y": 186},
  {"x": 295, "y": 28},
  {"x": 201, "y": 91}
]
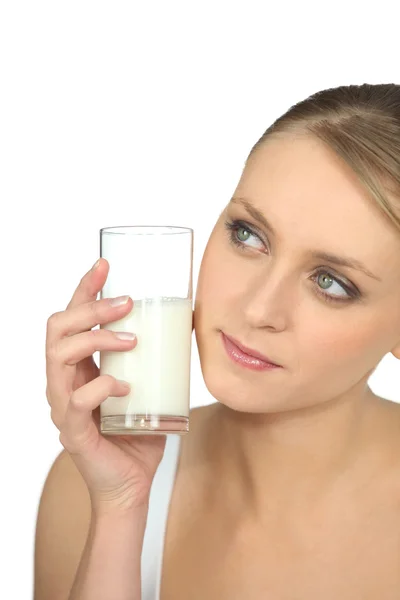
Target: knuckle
[
  {"x": 48, "y": 393},
  {"x": 95, "y": 339},
  {"x": 77, "y": 400},
  {"x": 53, "y": 318},
  {"x": 63, "y": 440},
  {"x": 51, "y": 353},
  {"x": 109, "y": 381},
  {"x": 95, "y": 333},
  {"x": 55, "y": 417},
  {"x": 94, "y": 308}
]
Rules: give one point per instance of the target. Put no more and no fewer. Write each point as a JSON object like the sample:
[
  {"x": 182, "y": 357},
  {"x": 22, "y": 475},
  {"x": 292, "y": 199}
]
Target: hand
[{"x": 118, "y": 470}]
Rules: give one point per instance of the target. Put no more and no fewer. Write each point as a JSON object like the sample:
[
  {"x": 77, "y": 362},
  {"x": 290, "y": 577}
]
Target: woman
[{"x": 289, "y": 485}]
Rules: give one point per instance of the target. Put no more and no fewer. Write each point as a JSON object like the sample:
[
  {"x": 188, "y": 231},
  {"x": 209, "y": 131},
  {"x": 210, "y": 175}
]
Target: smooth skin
[
  {"x": 97, "y": 478},
  {"x": 290, "y": 433},
  {"x": 98, "y": 488},
  {"x": 118, "y": 470},
  {"x": 287, "y": 487},
  {"x": 301, "y": 491}
]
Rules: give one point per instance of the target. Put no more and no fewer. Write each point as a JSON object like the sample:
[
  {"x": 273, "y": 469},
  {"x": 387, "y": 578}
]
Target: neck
[{"x": 268, "y": 462}]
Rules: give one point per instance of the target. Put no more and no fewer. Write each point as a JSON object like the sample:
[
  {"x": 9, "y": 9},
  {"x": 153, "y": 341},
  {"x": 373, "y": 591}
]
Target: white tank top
[{"x": 159, "y": 501}]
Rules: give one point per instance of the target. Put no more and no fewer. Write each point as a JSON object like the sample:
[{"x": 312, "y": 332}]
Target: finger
[
  {"x": 79, "y": 432},
  {"x": 71, "y": 350},
  {"x": 90, "y": 284},
  {"x": 85, "y": 316}
]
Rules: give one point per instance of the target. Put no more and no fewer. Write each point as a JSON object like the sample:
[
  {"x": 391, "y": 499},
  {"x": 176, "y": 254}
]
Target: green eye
[
  {"x": 242, "y": 228},
  {"x": 234, "y": 227},
  {"x": 326, "y": 280}
]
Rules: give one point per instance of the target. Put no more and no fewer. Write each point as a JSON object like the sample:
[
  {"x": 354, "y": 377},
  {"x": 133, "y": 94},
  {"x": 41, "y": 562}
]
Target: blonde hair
[{"x": 361, "y": 123}]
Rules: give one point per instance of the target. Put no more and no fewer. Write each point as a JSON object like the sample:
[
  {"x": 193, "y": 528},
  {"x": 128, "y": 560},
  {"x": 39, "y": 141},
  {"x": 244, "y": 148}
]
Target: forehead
[
  {"x": 302, "y": 169},
  {"x": 313, "y": 199}
]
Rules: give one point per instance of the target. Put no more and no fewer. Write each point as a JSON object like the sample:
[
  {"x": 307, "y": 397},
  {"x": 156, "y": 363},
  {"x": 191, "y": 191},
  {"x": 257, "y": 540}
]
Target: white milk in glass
[
  {"x": 153, "y": 265},
  {"x": 158, "y": 368}
]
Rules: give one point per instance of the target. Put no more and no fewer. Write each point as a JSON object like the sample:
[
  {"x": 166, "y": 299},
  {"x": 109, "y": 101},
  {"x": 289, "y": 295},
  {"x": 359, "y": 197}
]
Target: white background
[{"x": 123, "y": 113}]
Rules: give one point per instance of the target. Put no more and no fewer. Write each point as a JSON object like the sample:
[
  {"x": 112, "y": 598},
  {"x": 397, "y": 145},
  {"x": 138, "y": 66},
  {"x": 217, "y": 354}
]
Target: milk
[{"x": 157, "y": 368}]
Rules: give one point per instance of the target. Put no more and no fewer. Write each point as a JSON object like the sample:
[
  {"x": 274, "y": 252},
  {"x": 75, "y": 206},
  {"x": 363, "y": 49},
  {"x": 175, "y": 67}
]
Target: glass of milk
[{"x": 153, "y": 265}]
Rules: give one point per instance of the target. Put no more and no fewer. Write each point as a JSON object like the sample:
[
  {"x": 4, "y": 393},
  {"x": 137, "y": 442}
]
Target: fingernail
[
  {"x": 119, "y": 300},
  {"x": 125, "y": 335},
  {"x": 124, "y": 383},
  {"x": 96, "y": 264}
]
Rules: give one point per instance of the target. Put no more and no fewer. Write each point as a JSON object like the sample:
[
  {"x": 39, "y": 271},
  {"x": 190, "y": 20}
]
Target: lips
[{"x": 250, "y": 351}]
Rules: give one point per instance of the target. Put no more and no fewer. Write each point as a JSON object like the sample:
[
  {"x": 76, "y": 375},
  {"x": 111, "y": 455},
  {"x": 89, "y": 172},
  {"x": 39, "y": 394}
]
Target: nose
[{"x": 267, "y": 303}]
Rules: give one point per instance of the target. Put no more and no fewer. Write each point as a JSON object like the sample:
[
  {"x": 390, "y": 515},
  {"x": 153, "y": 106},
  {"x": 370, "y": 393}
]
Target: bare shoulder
[{"x": 63, "y": 522}]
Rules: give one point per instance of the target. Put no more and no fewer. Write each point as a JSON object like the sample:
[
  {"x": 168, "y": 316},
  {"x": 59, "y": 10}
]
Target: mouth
[{"x": 247, "y": 356}]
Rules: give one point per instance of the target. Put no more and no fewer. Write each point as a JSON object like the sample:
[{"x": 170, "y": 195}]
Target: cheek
[
  {"x": 346, "y": 339},
  {"x": 216, "y": 276}
]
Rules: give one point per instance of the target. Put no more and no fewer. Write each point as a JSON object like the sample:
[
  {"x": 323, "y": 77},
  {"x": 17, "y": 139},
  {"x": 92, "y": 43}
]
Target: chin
[{"x": 234, "y": 399}]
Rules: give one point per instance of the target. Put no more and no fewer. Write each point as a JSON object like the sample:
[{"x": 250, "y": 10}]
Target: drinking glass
[{"x": 153, "y": 265}]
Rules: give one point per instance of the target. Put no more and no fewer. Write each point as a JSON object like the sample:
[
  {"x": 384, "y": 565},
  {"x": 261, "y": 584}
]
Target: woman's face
[{"x": 328, "y": 325}]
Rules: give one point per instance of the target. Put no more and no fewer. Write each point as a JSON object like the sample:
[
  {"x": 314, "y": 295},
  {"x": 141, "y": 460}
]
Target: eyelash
[{"x": 233, "y": 226}]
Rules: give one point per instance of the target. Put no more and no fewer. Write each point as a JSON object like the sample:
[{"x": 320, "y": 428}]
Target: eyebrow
[{"x": 342, "y": 261}]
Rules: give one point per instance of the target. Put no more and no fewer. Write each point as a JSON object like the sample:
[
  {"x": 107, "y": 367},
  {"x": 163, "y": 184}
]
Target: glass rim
[{"x": 148, "y": 229}]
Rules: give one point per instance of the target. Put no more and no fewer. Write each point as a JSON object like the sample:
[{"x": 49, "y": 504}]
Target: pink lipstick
[{"x": 248, "y": 358}]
